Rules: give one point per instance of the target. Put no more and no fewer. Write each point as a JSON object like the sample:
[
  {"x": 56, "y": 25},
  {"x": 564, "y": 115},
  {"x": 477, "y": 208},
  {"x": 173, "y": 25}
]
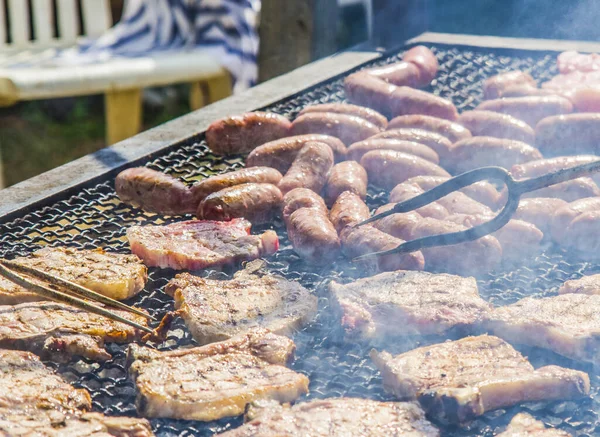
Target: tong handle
[{"x": 556, "y": 177}]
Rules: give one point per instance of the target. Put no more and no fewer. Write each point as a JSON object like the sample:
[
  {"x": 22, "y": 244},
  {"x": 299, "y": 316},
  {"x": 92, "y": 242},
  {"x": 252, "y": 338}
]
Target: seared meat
[
  {"x": 567, "y": 324},
  {"x": 458, "y": 380},
  {"x": 416, "y": 302},
  {"x": 52, "y": 423},
  {"x": 114, "y": 275},
  {"x": 585, "y": 285},
  {"x": 523, "y": 425},
  {"x": 197, "y": 244},
  {"x": 57, "y": 331},
  {"x": 215, "y": 310},
  {"x": 214, "y": 381},
  {"x": 339, "y": 417}
]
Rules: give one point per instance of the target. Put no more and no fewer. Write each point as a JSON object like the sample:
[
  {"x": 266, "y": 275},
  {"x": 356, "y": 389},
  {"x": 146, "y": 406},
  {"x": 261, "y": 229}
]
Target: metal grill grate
[{"x": 95, "y": 217}]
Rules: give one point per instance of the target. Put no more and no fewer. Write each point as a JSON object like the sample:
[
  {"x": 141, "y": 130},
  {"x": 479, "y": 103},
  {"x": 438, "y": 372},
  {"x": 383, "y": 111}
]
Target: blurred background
[{"x": 39, "y": 135}]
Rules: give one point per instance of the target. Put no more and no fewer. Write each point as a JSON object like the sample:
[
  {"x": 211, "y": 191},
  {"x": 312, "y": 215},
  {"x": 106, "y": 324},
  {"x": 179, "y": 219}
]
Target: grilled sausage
[
  {"x": 569, "y": 191},
  {"x": 449, "y": 129},
  {"x": 571, "y": 133},
  {"x": 210, "y": 185},
  {"x": 346, "y": 176},
  {"x": 242, "y": 133},
  {"x": 254, "y": 202},
  {"x": 495, "y": 86},
  {"x": 482, "y": 191},
  {"x": 280, "y": 154},
  {"x": 440, "y": 144},
  {"x": 348, "y": 210},
  {"x": 425, "y": 61},
  {"x": 406, "y": 191},
  {"x": 483, "y": 151},
  {"x": 388, "y": 168},
  {"x": 577, "y": 235},
  {"x": 368, "y": 114},
  {"x": 302, "y": 198},
  {"x": 539, "y": 210},
  {"x": 495, "y": 124},
  {"x": 399, "y": 74},
  {"x": 565, "y": 215},
  {"x": 313, "y": 236},
  {"x": 530, "y": 109},
  {"x": 309, "y": 169},
  {"x": 347, "y": 128},
  {"x": 357, "y": 150},
  {"x": 406, "y": 100},
  {"x": 525, "y": 90},
  {"x": 373, "y": 92},
  {"x": 154, "y": 191},
  {"x": 397, "y": 225},
  {"x": 585, "y": 99},
  {"x": 543, "y": 166}
]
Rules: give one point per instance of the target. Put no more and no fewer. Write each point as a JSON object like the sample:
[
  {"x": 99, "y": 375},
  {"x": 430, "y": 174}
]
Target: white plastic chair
[{"x": 368, "y": 5}]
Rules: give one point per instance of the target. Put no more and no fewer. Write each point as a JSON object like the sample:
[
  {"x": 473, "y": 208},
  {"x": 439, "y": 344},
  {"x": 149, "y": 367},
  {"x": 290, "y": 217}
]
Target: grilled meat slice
[
  {"x": 219, "y": 380},
  {"x": 215, "y": 310},
  {"x": 416, "y": 302},
  {"x": 338, "y": 417},
  {"x": 114, "y": 275},
  {"x": 585, "y": 285},
  {"x": 26, "y": 383},
  {"x": 458, "y": 380},
  {"x": 57, "y": 331},
  {"x": 54, "y": 423},
  {"x": 523, "y": 425},
  {"x": 567, "y": 324},
  {"x": 197, "y": 244}
]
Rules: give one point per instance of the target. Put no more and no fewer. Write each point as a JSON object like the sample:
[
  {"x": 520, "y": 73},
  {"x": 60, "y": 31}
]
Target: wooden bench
[{"x": 120, "y": 80}]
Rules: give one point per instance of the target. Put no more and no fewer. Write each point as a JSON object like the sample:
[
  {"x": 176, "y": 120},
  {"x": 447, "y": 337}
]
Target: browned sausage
[
  {"x": 346, "y": 176},
  {"x": 254, "y": 202},
  {"x": 406, "y": 100},
  {"x": 425, "y": 61},
  {"x": 399, "y": 74},
  {"x": 154, "y": 191},
  {"x": 440, "y": 144},
  {"x": 265, "y": 175},
  {"x": 242, "y": 133},
  {"x": 368, "y": 114},
  {"x": 347, "y": 128},
  {"x": 449, "y": 129},
  {"x": 406, "y": 191},
  {"x": 495, "y": 124},
  {"x": 571, "y": 134},
  {"x": 483, "y": 151},
  {"x": 309, "y": 169},
  {"x": 357, "y": 150},
  {"x": 388, "y": 168},
  {"x": 579, "y": 235},
  {"x": 313, "y": 236},
  {"x": 548, "y": 165},
  {"x": 530, "y": 109},
  {"x": 397, "y": 225},
  {"x": 373, "y": 92},
  {"x": 280, "y": 154},
  {"x": 302, "y": 198},
  {"x": 565, "y": 215},
  {"x": 482, "y": 191},
  {"x": 525, "y": 90},
  {"x": 348, "y": 210},
  {"x": 495, "y": 86},
  {"x": 539, "y": 210}
]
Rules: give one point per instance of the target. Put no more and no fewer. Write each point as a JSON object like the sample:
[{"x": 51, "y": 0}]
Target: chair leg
[
  {"x": 219, "y": 87},
  {"x": 123, "y": 111},
  {"x": 196, "y": 96}
]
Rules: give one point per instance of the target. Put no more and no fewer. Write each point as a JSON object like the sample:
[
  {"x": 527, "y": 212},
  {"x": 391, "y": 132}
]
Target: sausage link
[
  {"x": 280, "y": 154},
  {"x": 368, "y": 114},
  {"x": 495, "y": 86},
  {"x": 313, "y": 236},
  {"x": 203, "y": 188},
  {"x": 357, "y": 150},
  {"x": 397, "y": 225},
  {"x": 440, "y": 144},
  {"x": 539, "y": 210},
  {"x": 388, "y": 168},
  {"x": 530, "y": 109},
  {"x": 399, "y": 74},
  {"x": 242, "y": 133},
  {"x": 494, "y": 124},
  {"x": 154, "y": 191},
  {"x": 373, "y": 92},
  {"x": 346, "y": 176},
  {"x": 572, "y": 134},
  {"x": 451, "y": 130},
  {"x": 302, "y": 198},
  {"x": 348, "y": 128},
  {"x": 569, "y": 191},
  {"x": 577, "y": 235},
  {"x": 406, "y": 100},
  {"x": 348, "y": 210},
  {"x": 309, "y": 169},
  {"x": 406, "y": 191},
  {"x": 564, "y": 216},
  {"x": 483, "y": 151},
  {"x": 543, "y": 166},
  {"x": 425, "y": 61},
  {"x": 255, "y": 202}
]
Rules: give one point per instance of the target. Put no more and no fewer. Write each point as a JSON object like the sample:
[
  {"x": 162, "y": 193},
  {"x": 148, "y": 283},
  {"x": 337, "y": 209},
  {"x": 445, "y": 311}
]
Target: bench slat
[
  {"x": 96, "y": 17},
  {"x": 42, "y": 21},
  {"x": 68, "y": 24},
  {"x": 19, "y": 22}
]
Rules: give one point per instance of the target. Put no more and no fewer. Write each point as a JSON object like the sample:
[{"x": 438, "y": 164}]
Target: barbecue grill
[{"x": 89, "y": 215}]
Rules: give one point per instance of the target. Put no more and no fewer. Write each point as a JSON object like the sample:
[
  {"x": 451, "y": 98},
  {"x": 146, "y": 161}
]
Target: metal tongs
[
  {"x": 62, "y": 290},
  {"x": 515, "y": 190}
]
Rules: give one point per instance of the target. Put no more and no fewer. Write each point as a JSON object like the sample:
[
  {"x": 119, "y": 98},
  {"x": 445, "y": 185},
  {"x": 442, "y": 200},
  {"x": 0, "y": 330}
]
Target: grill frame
[{"x": 321, "y": 352}]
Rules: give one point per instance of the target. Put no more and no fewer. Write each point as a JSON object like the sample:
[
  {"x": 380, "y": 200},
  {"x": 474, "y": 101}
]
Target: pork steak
[{"x": 523, "y": 425}]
